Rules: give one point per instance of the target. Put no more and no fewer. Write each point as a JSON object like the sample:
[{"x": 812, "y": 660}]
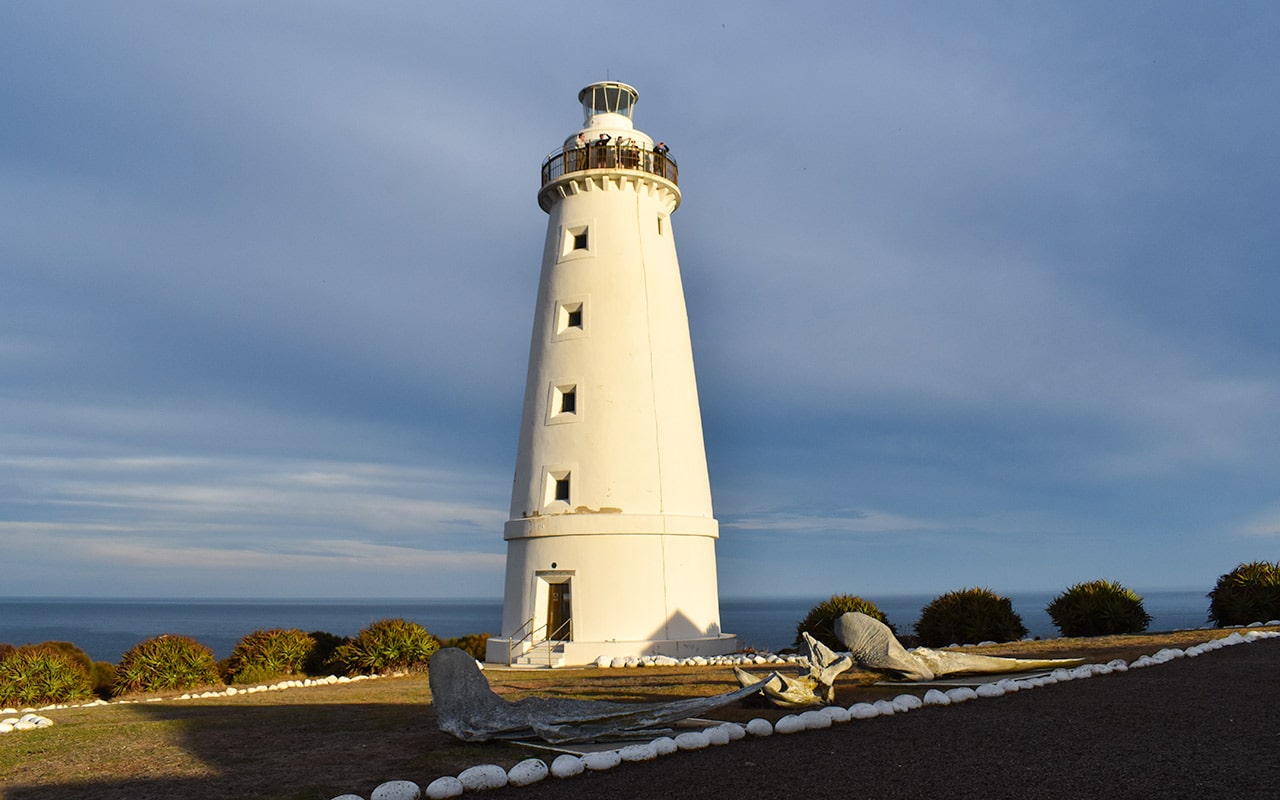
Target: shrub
[
  {"x": 36, "y": 675},
  {"x": 820, "y": 619},
  {"x": 166, "y": 662},
  {"x": 1098, "y": 608},
  {"x": 102, "y": 676},
  {"x": 320, "y": 660},
  {"x": 1248, "y": 593},
  {"x": 388, "y": 645},
  {"x": 473, "y": 643},
  {"x": 266, "y": 654},
  {"x": 969, "y": 615}
]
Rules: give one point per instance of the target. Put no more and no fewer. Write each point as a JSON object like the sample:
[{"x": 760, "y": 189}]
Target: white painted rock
[
  {"x": 693, "y": 740},
  {"x": 884, "y": 708},
  {"x": 607, "y": 759},
  {"x": 906, "y": 702},
  {"x": 718, "y": 735},
  {"x": 442, "y": 788},
  {"x": 961, "y": 694},
  {"x": 989, "y": 690},
  {"x": 664, "y": 745},
  {"x": 482, "y": 777},
  {"x": 604, "y": 662},
  {"x": 837, "y": 714},
  {"x": 567, "y": 766},
  {"x": 639, "y": 752},
  {"x": 863, "y": 711},
  {"x": 789, "y": 724},
  {"x": 933, "y": 697},
  {"x": 347, "y": 797},
  {"x": 735, "y": 731},
  {"x": 397, "y": 790},
  {"x": 527, "y": 772},
  {"x": 815, "y": 720},
  {"x": 760, "y": 727}
]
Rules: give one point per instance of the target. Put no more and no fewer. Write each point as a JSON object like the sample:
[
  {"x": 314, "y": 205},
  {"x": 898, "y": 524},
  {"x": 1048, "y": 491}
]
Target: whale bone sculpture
[
  {"x": 814, "y": 687},
  {"x": 467, "y": 708},
  {"x": 873, "y": 646}
]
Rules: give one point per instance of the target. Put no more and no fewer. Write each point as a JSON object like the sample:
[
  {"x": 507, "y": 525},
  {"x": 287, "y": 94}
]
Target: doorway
[{"x": 560, "y": 611}]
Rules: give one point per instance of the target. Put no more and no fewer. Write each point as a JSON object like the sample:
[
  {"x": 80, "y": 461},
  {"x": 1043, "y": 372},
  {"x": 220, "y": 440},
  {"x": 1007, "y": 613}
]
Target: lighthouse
[{"x": 611, "y": 537}]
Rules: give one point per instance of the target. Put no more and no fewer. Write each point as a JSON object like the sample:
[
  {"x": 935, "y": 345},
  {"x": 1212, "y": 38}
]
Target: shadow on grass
[{"x": 209, "y": 749}]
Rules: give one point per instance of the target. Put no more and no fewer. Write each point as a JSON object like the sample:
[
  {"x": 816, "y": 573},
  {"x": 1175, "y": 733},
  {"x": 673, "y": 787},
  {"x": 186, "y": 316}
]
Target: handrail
[
  {"x": 560, "y": 634},
  {"x": 609, "y": 156}
]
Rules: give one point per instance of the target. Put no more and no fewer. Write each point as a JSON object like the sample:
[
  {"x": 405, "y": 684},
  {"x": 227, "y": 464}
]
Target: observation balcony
[{"x": 609, "y": 156}]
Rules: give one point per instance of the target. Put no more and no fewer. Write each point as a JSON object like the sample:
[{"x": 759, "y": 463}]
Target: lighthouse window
[
  {"x": 580, "y": 241},
  {"x": 557, "y": 487},
  {"x": 571, "y": 318},
  {"x": 563, "y": 405},
  {"x": 576, "y": 241}
]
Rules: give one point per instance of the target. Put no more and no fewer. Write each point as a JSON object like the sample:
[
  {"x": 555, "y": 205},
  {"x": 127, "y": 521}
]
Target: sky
[{"x": 981, "y": 294}]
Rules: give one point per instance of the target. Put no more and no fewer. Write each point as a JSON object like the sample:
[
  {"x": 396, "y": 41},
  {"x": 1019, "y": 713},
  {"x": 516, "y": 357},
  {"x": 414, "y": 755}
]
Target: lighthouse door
[{"x": 559, "y": 612}]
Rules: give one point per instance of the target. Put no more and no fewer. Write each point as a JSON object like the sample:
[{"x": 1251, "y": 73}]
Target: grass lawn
[{"x": 319, "y": 742}]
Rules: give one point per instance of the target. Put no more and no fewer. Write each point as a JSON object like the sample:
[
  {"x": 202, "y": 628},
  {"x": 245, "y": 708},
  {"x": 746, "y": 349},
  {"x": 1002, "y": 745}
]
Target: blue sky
[{"x": 980, "y": 293}]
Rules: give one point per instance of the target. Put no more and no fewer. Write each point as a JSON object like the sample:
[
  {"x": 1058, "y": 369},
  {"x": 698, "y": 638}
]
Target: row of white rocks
[
  {"x": 230, "y": 691},
  {"x": 533, "y": 770}
]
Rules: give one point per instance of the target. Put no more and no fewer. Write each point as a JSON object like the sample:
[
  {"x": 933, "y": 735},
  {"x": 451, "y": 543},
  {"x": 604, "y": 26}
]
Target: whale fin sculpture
[
  {"x": 873, "y": 646},
  {"x": 816, "y": 687},
  {"x": 467, "y": 708}
]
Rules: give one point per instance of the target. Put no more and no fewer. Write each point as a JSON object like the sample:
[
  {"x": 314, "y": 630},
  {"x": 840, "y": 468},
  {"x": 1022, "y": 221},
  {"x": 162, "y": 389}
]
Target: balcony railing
[{"x": 609, "y": 156}]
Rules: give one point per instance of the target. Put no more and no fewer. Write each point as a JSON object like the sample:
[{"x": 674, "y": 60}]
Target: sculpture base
[{"x": 583, "y": 654}]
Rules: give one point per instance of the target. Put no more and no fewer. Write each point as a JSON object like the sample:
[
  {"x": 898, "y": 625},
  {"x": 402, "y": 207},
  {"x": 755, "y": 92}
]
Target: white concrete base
[{"x": 581, "y": 654}]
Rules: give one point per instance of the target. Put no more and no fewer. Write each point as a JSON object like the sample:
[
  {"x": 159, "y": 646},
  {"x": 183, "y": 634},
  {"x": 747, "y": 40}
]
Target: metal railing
[
  {"x": 528, "y": 633},
  {"x": 609, "y": 156}
]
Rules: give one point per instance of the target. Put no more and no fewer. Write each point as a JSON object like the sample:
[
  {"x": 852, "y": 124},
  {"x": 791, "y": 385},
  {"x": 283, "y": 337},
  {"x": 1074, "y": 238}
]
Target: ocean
[{"x": 106, "y": 628}]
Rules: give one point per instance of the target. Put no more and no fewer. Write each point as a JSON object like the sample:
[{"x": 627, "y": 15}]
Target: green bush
[
  {"x": 320, "y": 660},
  {"x": 473, "y": 643},
  {"x": 267, "y": 654},
  {"x": 388, "y": 645},
  {"x": 102, "y": 676},
  {"x": 1098, "y": 608},
  {"x": 36, "y": 675},
  {"x": 820, "y": 619},
  {"x": 166, "y": 662},
  {"x": 1248, "y": 593},
  {"x": 968, "y": 616}
]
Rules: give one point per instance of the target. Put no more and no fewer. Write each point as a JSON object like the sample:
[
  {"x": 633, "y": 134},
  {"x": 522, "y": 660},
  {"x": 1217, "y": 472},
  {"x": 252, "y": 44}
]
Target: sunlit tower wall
[{"x": 611, "y": 538}]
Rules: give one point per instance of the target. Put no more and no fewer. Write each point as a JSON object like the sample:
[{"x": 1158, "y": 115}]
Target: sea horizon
[{"x": 106, "y": 627}]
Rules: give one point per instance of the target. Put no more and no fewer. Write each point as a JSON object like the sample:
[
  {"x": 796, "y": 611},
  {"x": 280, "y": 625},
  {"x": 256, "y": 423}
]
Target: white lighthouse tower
[{"x": 611, "y": 540}]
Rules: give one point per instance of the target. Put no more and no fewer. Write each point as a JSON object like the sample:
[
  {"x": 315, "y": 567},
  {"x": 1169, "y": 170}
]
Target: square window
[
  {"x": 576, "y": 241},
  {"x": 562, "y": 403},
  {"x": 571, "y": 318},
  {"x": 558, "y": 487}
]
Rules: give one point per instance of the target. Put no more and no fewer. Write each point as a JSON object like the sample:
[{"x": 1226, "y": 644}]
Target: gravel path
[{"x": 1204, "y": 727}]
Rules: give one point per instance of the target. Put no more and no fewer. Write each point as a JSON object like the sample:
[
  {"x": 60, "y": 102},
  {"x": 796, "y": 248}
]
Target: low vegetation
[
  {"x": 37, "y": 675},
  {"x": 820, "y": 619},
  {"x": 166, "y": 662},
  {"x": 969, "y": 616},
  {"x": 388, "y": 645},
  {"x": 267, "y": 654},
  {"x": 1098, "y": 608},
  {"x": 1248, "y": 593}
]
